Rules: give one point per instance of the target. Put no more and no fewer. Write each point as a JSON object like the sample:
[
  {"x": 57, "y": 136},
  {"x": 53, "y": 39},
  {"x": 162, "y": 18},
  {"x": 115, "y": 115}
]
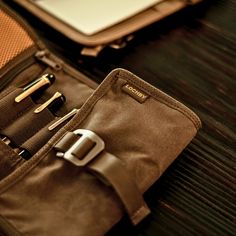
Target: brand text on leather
[{"x": 135, "y": 93}]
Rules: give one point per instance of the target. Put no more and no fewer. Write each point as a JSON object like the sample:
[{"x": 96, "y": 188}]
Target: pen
[
  {"x": 53, "y": 103},
  {"x": 42, "y": 82}
]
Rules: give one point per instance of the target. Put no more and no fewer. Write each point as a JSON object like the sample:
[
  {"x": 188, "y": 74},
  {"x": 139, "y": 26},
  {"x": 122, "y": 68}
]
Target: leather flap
[{"x": 68, "y": 200}]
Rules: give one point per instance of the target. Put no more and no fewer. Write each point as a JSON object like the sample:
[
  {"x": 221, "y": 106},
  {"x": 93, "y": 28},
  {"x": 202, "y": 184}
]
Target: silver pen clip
[
  {"x": 63, "y": 119},
  {"x": 56, "y": 99}
]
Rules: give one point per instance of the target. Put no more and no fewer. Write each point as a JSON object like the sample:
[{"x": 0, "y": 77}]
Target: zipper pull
[{"x": 43, "y": 57}]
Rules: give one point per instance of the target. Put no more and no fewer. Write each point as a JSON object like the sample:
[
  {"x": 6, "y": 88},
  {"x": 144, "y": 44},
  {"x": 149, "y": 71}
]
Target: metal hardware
[
  {"x": 91, "y": 51},
  {"x": 6, "y": 140},
  {"x": 121, "y": 43},
  {"x": 63, "y": 119},
  {"x": 50, "y": 77},
  {"x": 84, "y": 134},
  {"x": 56, "y": 100},
  {"x": 43, "y": 57},
  {"x": 24, "y": 154},
  {"x": 117, "y": 44},
  {"x": 43, "y": 81}
]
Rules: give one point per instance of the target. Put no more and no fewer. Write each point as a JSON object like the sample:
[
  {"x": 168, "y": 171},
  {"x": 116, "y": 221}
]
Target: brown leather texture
[
  {"x": 108, "y": 168},
  {"x": 115, "y": 173},
  {"x": 47, "y": 195},
  {"x": 64, "y": 199}
]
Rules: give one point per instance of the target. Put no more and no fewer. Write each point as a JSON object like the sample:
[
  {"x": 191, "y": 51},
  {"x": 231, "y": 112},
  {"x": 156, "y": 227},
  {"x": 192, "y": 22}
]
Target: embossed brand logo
[{"x": 135, "y": 93}]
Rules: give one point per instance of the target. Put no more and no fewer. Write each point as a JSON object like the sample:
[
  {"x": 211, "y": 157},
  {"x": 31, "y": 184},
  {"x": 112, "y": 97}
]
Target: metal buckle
[{"x": 98, "y": 147}]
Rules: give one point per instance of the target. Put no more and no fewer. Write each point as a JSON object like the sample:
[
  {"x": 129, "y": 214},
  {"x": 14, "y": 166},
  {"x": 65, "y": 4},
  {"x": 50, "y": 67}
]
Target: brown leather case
[
  {"x": 86, "y": 174},
  {"x": 115, "y": 36}
]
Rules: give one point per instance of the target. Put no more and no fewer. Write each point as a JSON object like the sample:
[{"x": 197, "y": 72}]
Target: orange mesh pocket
[{"x": 13, "y": 39}]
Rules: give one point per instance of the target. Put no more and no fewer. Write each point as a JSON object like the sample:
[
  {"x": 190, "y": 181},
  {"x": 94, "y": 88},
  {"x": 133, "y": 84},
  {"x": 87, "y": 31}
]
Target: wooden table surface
[{"x": 191, "y": 56}]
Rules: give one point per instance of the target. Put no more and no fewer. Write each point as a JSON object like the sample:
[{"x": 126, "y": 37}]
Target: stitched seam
[
  {"x": 23, "y": 170},
  {"x": 18, "y": 114},
  {"x": 7, "y": 92},
  {"x": 27, "y": 108},
  {"x": 101, "y": 92},
  {"x": 166, "y": 99},
  {"x": 17, "y": 161},
  {"x": 29, "y": 165},
  {"x": 85, "y": 110},
  {"x": 11, "y": 155},
  {"x": 26, "y": 168},
  {"x": 14, "y": 158},
  {"x": 36, "y": 131}
]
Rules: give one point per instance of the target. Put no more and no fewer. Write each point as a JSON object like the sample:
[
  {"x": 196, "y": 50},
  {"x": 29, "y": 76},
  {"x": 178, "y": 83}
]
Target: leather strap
[
  {"x": 114, "y": 171},
  {"x": 111, "y": 170}
]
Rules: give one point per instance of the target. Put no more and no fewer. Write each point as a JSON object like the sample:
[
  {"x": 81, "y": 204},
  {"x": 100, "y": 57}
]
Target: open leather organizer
[
  {"x": 78, "y": 174},
  {"x": 116, "y": 36}
]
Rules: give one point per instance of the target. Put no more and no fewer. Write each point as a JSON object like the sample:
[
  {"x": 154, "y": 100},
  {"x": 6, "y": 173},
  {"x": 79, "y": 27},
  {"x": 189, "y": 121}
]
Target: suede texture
[{"x": 48, "y": 195}]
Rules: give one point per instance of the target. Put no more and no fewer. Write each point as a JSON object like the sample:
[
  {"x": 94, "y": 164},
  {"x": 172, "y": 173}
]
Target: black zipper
[{"x": 42, "y": 56}]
